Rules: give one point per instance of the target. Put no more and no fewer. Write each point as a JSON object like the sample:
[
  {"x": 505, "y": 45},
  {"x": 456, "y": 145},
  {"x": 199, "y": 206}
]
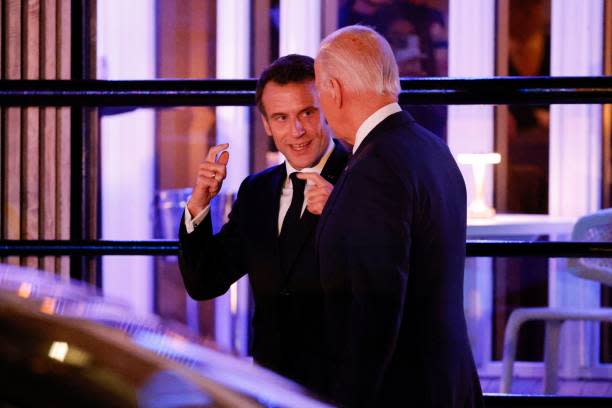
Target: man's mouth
[{"x": 300, "y": 146}]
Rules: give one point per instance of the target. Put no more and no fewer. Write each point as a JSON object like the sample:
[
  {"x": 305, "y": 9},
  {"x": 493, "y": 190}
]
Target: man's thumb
[{"x": 223, "y": 158}]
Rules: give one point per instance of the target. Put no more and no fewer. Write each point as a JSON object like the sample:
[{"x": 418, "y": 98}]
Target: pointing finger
[
  {"x": 314, "y": 178},
  {"x": 314, "y": 195}
]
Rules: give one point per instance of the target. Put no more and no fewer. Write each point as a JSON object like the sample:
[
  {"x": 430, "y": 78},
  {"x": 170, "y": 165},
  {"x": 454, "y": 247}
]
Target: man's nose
[{"x": 297, "y": 128}]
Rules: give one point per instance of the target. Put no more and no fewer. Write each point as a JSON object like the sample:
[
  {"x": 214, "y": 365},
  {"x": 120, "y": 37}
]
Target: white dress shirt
[
  {"x": 286, "y": 194},
  {"x": 373, "y": 120}
]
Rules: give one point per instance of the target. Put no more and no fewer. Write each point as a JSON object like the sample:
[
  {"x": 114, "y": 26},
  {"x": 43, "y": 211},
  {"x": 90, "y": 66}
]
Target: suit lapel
[
  {"x": 276, "y": 186},
  {"x": 331, "y": 171}
]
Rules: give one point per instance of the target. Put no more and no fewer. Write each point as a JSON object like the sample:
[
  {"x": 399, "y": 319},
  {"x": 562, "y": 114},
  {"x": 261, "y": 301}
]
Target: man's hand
[
  {"x": 211, "y": 174},
  {"x": 317, "y": 192}
]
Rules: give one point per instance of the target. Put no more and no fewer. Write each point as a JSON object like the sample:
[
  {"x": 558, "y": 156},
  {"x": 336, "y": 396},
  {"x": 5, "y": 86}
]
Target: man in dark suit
[
  {"x": 391, "y": 241},
  {"x": 270, "y": 232}
]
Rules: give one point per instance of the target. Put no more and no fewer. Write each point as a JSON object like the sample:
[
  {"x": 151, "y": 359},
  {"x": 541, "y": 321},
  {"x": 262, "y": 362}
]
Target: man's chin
[{"x": 300, "y": 163}]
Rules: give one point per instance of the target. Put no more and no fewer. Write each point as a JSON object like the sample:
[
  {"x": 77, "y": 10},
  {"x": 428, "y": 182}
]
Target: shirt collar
[
  {"x": 373, "y": 120},
  {"x": 317, "y": 168}
]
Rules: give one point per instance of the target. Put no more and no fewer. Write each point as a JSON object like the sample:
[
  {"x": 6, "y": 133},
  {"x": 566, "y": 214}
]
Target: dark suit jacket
[
  {"x": 391, "y": 247},
  {"x": 287, "y": 334}
]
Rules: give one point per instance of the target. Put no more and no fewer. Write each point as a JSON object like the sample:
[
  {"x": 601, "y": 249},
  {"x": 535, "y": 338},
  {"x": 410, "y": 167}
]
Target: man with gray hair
[{"x": 391, "y": 241}]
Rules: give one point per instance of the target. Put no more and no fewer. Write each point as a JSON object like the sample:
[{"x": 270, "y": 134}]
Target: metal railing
[
  {"x": 241, "y": 92},
  {"x": 474, "y": 248},
  {"x": 428, "y": 91}
]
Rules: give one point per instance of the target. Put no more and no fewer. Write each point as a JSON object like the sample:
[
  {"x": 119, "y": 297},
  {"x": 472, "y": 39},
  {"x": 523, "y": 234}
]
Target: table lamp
[{"x": 478, "y": 208}]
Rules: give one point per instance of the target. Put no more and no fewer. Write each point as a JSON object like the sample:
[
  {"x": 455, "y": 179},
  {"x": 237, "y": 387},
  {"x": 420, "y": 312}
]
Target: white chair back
[{"x": 595, "y": 227}]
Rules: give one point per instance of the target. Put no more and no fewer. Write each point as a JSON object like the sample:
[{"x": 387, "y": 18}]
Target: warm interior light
[{"x": 478, "y": 208}]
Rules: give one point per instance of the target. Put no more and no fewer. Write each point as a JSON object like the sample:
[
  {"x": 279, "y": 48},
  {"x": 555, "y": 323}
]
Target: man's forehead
[
  {"x": 285, "y": 97},
  {"x": 275, "y": 86}
]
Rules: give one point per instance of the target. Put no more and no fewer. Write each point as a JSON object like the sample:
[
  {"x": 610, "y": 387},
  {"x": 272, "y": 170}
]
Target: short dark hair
[{"x": 292, "y": 68}]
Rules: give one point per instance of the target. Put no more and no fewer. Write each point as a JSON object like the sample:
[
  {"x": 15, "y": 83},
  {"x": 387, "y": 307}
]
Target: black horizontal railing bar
[
  {"x": 241, "y": 92},
  {"x": 541, "y": 401},
  {"x": 475, "y": 248},
  {"x": 88, "y": 248},
  {"x": 548, "y": 249}
]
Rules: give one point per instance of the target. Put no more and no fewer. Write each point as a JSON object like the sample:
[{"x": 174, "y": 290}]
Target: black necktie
[
  {"x": 290, "y": 230},
  {"x": 292, "y": 218}
]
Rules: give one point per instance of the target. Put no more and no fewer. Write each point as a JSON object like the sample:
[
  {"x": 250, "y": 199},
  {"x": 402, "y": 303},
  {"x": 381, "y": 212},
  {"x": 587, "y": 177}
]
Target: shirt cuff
[{"x": 192, "y": 223}]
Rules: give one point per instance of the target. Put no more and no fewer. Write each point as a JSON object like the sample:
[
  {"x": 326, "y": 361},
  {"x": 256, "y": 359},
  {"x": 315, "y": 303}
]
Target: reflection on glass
[
  {"x": 25, "y": 290},
  {"x": 62, "y": 352},
  {"x": 58, "y": 350},
  {"x": 48, "y": 305}
]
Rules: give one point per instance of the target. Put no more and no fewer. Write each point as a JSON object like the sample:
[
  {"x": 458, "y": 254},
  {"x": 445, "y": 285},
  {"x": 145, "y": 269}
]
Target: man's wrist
[
  {"x": 191, "y": 222},
  {"x": 194, "y": 210}
]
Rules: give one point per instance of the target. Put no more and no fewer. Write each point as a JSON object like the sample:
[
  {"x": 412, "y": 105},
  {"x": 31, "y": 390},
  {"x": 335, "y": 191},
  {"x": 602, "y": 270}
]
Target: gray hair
[{"x": 361, "y": 58}]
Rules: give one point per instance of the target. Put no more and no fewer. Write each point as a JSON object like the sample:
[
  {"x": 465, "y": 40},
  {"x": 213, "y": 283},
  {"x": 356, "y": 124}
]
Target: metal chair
[{"x": 595, "y": 227}]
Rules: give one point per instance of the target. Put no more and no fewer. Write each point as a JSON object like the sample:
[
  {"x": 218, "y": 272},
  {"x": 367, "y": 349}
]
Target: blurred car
[{"x": 64, "y": 344}]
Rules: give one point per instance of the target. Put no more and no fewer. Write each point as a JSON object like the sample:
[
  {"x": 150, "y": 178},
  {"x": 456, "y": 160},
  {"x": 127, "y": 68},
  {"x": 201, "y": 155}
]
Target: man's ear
[
  {"x": 265, "y": 124},
  {"x": 335, "y": 87}
]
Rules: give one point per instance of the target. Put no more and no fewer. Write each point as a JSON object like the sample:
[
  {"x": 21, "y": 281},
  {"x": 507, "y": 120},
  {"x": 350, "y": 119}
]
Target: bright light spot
[
  {"x": 58, "y": 350},
  {"x": 25, "y": 290},
  {"x": 48, "y": 305},
  {"x": 478, "y": 207}
]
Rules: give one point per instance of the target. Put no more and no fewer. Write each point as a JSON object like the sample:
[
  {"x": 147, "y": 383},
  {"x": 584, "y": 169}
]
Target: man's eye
[{"x": 280, "y": 118}]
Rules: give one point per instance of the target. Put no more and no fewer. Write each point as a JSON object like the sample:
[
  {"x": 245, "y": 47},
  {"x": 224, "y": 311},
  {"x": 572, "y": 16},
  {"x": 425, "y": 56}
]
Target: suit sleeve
[
  {"x": 378, "y": 239},
  {"x": 210, "y": 263}
]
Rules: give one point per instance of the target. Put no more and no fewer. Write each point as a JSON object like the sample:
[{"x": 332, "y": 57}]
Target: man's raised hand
[
  {"x": 211, "y": 174},
  {"x": 317, "y": 192}
]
